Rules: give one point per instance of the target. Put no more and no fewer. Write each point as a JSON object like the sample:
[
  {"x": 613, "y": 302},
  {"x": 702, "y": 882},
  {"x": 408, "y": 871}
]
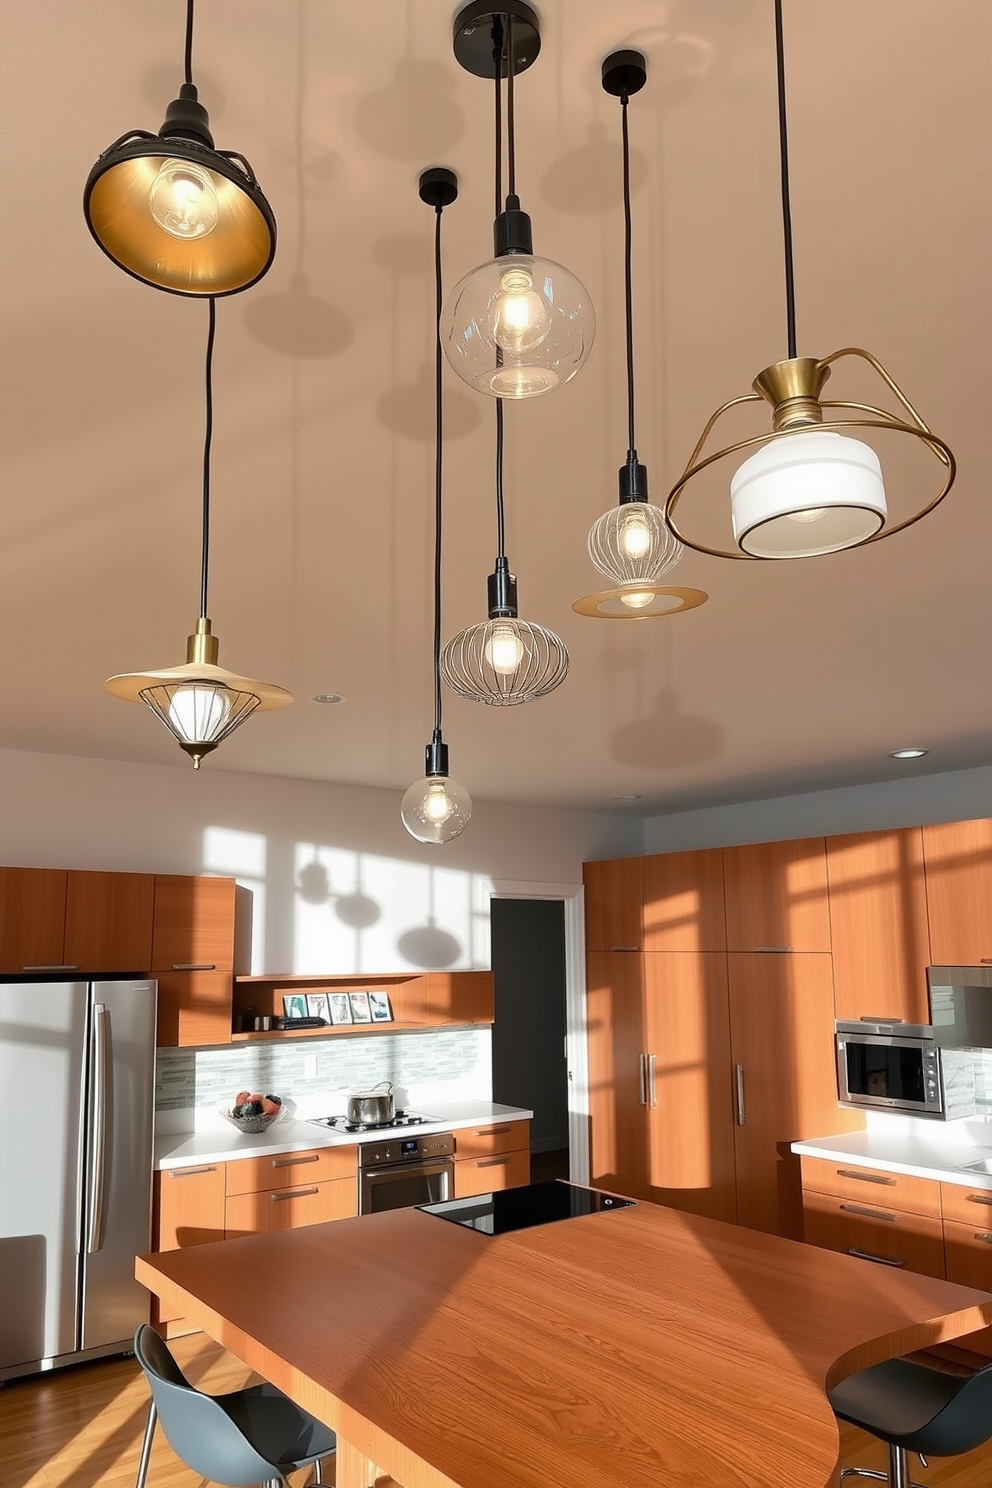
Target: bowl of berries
[{"x": 252, "y": 1112}]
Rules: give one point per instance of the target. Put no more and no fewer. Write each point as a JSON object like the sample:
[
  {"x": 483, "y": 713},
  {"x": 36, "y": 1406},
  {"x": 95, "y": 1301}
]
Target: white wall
[
  {"x": 956, "y": 795},
  {"x": 339, "y": 884}
]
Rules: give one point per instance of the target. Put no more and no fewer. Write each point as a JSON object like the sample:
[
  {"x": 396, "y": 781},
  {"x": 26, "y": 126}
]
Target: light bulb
[
  {"x": 635, "y": 536},
  {"x": 183, "y": 201},
  {"x": 199, "y": 713},
  {"x": 637, "y": 599},
  {"x": 436, "y": 809},
  {"x": 504, "y": 649},
  {"x": 520, "y": 319}
]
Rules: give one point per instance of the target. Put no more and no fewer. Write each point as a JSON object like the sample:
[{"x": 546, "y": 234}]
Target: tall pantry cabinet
[{"x": 711, "y": 1028}]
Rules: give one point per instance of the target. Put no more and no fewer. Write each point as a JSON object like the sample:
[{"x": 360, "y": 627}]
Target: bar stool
[{"x": 915, "y": 1409}]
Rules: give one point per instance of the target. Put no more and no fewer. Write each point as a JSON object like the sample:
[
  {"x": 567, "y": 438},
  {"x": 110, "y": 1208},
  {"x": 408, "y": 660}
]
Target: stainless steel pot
[{"x": 370, "y": 1108}]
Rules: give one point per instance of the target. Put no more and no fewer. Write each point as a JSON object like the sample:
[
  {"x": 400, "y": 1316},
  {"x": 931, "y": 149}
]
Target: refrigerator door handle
[{"x": 96, "y": 1219}]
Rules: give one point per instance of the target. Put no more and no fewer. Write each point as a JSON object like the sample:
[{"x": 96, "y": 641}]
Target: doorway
[{"x": 530, "y": 1066}]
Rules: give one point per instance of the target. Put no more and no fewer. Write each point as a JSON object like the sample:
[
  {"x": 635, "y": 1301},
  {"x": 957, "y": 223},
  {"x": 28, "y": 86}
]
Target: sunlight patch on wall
[{"x": 244, "y": 857}]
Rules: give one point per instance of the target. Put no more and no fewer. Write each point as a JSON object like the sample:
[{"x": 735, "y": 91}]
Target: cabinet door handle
[
  {"x": 642, "y": 1080},
  {"x": 623, "y": 948},
  {"x": 493, "y": 1131},
  {"x": 880, "y": 1260},
  {"x": 869, "y": 1213},
  {"x": 739, "y": 1094},
  {"x": 980, "y": 1198},
  {"x": 493, "y": 1162},
  {"x": 985, "y": 1239},
  {"x": 652, "y": 1097},
  {"x": 189, "y": 1172},
  {"x": 868, "y": 1177},
  {"x": 986, "y": 961},
  {"x": 60, "y": 967},
  {"x": 291, "y": 1162},
  {"x": 194, "y": 965},
  {"x": 293, "y": 1193},
  {"x": 771, "y": 950}
]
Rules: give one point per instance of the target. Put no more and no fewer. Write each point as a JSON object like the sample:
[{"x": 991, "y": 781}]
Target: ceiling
[{"x": 793, "y": 675}]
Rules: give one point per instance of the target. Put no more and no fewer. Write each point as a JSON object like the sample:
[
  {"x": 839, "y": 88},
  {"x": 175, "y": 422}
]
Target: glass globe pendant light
[
  {"x": 200, "y": 703},
  {"x": 437, "y": 809},
  {"x": 632, "y": 544},
  {"x": 175, "y": 212},
  {"x": 518, "y": 325},
  {"x": 805, "y": 488}
]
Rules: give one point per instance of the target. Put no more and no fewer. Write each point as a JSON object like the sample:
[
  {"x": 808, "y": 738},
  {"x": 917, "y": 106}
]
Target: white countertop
[
  {"x": 190, "y": 1149},
  {"x": 901, "y": 1152}
]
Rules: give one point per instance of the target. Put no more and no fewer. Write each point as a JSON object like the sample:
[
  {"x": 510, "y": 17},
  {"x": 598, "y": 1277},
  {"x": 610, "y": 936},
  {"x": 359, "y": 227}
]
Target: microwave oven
[{"x": 892, "y": 1066}]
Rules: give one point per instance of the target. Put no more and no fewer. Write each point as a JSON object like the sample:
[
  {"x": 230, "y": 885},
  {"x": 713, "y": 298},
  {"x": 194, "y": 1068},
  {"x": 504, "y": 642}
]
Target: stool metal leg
[
  {"x": 898, "y": 1475},
  {"x": 146, "y": 1445}
]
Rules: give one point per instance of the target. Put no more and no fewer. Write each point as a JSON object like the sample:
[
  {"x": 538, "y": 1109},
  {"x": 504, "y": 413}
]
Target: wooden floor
[{"x": 82, "y": 1428}]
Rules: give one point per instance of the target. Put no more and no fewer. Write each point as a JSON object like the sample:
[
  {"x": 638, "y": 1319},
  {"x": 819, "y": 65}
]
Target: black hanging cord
[
  {"x": 189, "y": 41},
  {"x": 438, "y": 462},
  {"x": 207, "y": 439},
  {"x": 783, "y": 145},
  {"x": 627, "y": 280},
  {"x": 511, "y": 148},
  {"x": 498, "y": 131},
  {"x": 500, "y": 520}
]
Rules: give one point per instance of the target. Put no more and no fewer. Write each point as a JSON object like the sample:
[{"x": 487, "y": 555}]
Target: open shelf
[{"x": 419, "y": 1000}]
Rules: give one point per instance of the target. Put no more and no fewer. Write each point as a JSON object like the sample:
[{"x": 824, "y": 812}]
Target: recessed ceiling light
[
  {"x": 907, "y": 753},
  {"x": 628, "y": 797},
  {"x": 327, "y": 697}
]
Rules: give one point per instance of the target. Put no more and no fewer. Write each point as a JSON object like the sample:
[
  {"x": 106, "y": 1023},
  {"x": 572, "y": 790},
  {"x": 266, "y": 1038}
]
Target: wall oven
[
  {"x": 404, "y": 1171},
  {"x": 893, "y": 1066}
]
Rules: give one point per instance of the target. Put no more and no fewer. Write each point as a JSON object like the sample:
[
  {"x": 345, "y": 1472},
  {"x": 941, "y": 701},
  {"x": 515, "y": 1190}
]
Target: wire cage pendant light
[
  {"x": 437, "y": 809},
  {"x": 173, "y": 211},
  {"x": 807, "y": 487},
  {"x": 632, "y": 545},
  {"x": 518, "y": 325},
  {"x": 200, "y": 703}
]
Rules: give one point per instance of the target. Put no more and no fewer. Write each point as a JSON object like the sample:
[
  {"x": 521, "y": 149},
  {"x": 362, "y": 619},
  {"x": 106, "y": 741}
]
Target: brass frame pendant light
[
  {"x": 518, "y": 325},
  {"x": 437, "y": 809},
  {"x": 806, "y": 489},
  {"x": 175, "y": 212},
  {"x": 200, "y": 703},
  {"x": 632, "y": 544}
]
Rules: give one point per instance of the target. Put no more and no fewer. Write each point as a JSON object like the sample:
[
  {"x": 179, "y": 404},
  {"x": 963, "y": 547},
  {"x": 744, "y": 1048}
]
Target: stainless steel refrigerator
[{"x": 77, "y": 1091}]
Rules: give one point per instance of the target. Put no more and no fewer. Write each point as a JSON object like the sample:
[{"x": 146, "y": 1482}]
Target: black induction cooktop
[{"x": 522, "y": 1208}]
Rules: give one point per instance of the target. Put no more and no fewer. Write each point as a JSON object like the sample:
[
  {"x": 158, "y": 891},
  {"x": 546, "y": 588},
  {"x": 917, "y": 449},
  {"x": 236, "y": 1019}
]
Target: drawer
[
  {"x": 484, "y": 1141},
  {"x": 872, "y": 1186},
  {"x": 290, "y": 1169},
  {"x": 489, "y": 1174},
  {"x": 968, "y": 1256},
  {"x": 290, "y": 1208},
  {"x": 971, "y": 1206},
  {"x": 889, "y": 1237}
]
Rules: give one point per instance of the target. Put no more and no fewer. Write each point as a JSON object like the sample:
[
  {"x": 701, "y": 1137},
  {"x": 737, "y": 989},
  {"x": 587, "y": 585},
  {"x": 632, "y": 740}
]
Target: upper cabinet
[
  {"x": 958, "y": 864},
  {"x": 194, "y": 927},
  {"x": 460, "y": 997},
  {"x": 776, "y": 895},
  {"x": 878, "y": 915},
  {"x": 32, "y": 919},
  {"x": 108, "y": 921},
  {"x": 614, "y": 900},
  {"x": 682, "y": 907}
]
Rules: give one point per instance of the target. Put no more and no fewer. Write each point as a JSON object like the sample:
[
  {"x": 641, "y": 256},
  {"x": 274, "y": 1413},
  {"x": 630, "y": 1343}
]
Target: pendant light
[
  {"x": 200, "y": 703},
  {"x": 632, "y": 544},
  {"x": 807, "y": 489},
  {"x": 176, "y": 213},
  {"x": 437, "y": 809},
  {"x": 518, "y": 325}
]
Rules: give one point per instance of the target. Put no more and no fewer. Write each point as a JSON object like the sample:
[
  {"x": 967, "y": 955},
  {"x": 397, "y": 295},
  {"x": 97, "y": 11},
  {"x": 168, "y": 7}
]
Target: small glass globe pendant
[{"x": 436, "y": 809}]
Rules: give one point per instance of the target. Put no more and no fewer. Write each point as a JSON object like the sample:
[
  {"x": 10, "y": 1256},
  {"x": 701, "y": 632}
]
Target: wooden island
[{"x": 620, "y": 1350}]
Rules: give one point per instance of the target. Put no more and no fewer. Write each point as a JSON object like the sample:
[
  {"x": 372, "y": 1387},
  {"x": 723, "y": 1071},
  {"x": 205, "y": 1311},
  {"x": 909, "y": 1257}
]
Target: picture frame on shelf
[
  {"x": 360, "y": 1010},
  {"x": 294, "y": 1005},
  {"x": 380, "y": 1007},
  {"x": 339, "y": 1008},
  {"x": 317, "y": 1006}
]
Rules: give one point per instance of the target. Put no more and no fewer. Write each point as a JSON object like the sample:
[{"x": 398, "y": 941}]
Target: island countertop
[{"x": 619, "y": 1350}]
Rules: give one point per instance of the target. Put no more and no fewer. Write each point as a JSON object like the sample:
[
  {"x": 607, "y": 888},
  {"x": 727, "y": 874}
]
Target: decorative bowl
[{"x": 252, "y": 1124}]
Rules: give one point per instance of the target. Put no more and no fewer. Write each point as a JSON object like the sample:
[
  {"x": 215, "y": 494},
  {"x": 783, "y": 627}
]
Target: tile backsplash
[{"x": 319, "y": 1074}]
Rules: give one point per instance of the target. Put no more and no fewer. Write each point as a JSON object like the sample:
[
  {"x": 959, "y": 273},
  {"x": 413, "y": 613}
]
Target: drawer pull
[
  {"x": 293, "y": 1193},
  {"x": 292, "y": 1162},
  {"x": 194, "y": 965},
  {"x": 493, "y": 1162},
  {"x": 188, "y": 1172},
  {"x": 980, "y": 1198},
  {"x": 866, "y": 1255},
  {"x": 869, "y": 1213},
  {"x": 623, "y": 948},
  {"x": 771, "y": 950},
  {"x": 493, "y": 1131},
  {"x": 865, "y": 1177}
]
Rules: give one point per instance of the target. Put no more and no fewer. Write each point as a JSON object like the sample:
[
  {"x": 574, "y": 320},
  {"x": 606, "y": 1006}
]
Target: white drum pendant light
[{"x": 814, "y": 492}]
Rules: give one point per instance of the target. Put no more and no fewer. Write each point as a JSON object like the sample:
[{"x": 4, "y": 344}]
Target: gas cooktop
[{"x": 342, "y": 1124}]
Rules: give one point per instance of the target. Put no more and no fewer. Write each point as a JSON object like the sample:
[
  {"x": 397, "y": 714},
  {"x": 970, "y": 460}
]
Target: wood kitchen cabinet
[
  {"x": 614, "y": 897},
  {"x": 683, "y": 902},
  {"x": 194, "y": 924},
  {"x": 291, "y": 1189},
  {"x": 879, "y": 929},
  {"x": 32, "y": 918},
  {"x": 108, "y": 921},
  {"x": 188, "y": 1209},
  {"x": 459, "y": 997},
  {"x": 481, "y": 1175},
  {"x": 194, "y": 1008},
  {"x": 617, "y": 1034},
  {"x": 776, "y": 896},
  {"x": 958, "y": 867}
]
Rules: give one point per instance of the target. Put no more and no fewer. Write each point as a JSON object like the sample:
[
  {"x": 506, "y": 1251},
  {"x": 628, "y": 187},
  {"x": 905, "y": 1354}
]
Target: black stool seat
[{"x": 916, "y": 1408}]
